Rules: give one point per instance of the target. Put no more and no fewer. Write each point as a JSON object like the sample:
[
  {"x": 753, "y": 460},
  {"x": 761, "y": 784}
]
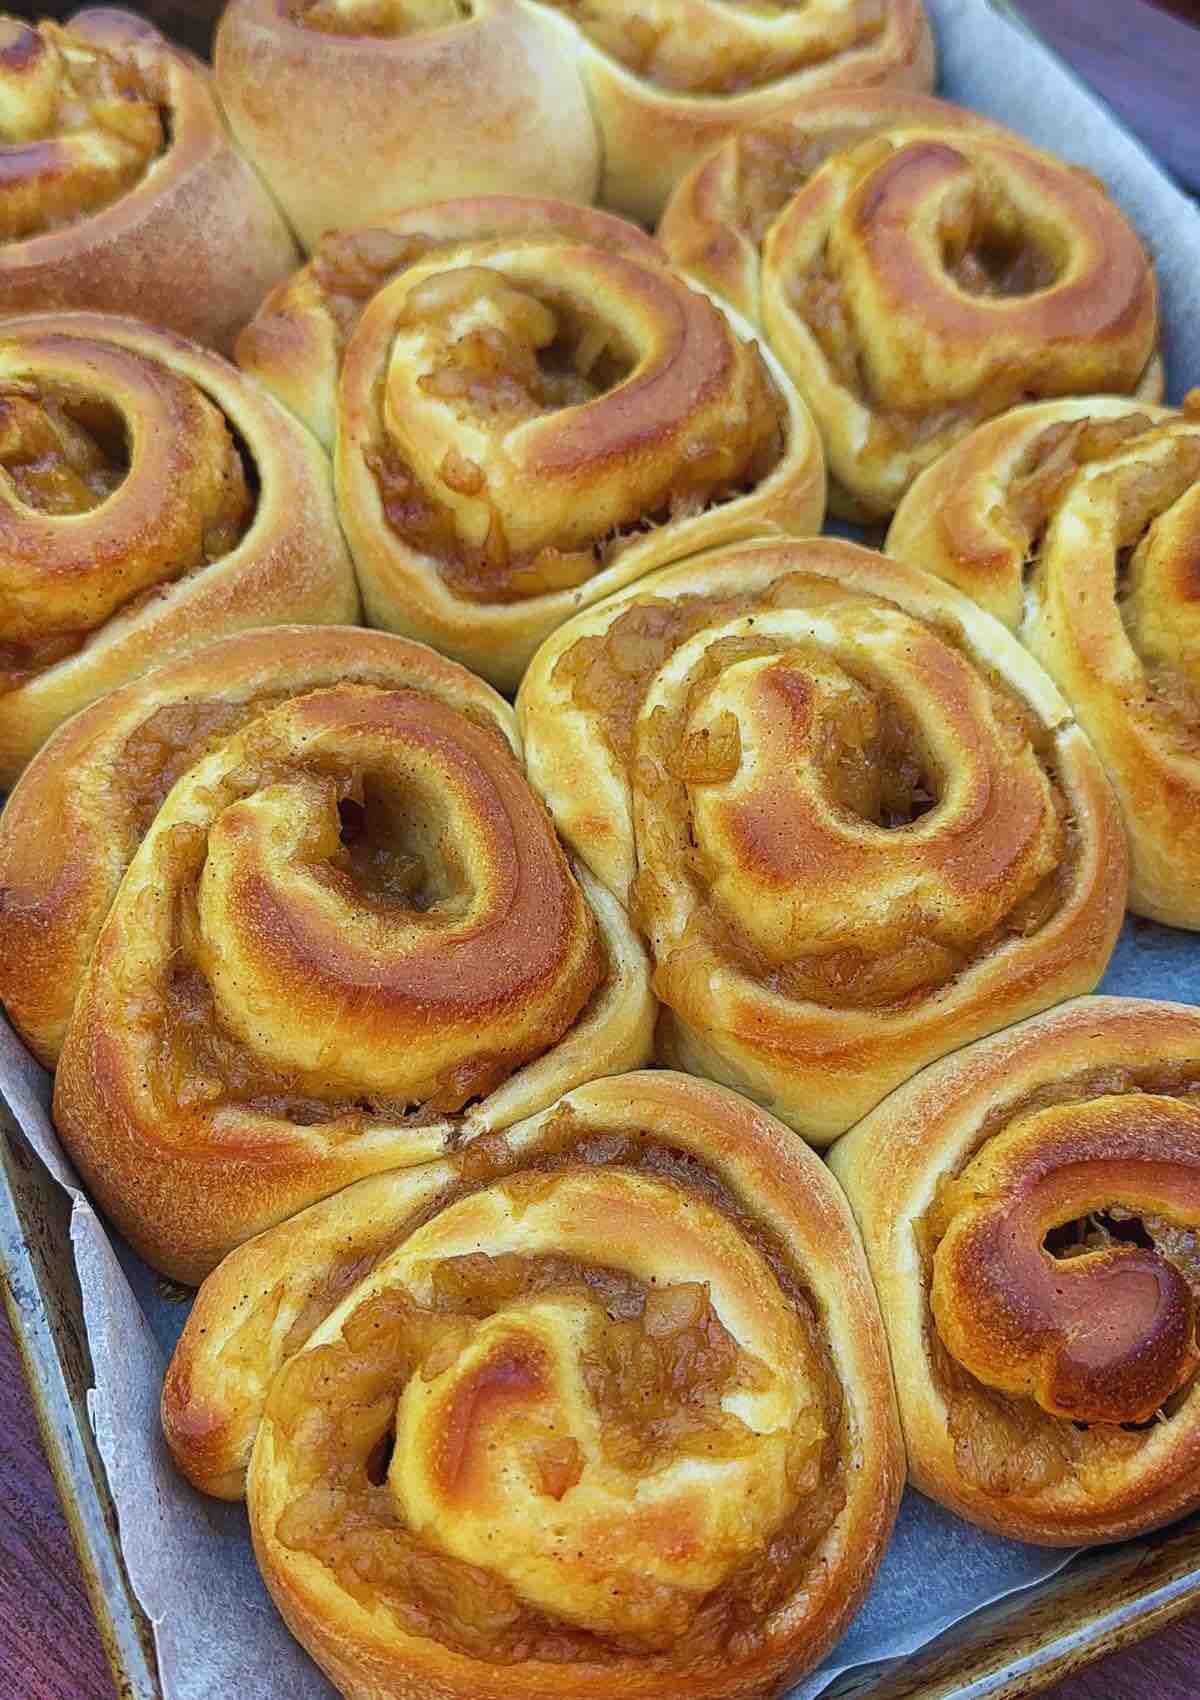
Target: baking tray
[{"x": 1102, "y": 1601}]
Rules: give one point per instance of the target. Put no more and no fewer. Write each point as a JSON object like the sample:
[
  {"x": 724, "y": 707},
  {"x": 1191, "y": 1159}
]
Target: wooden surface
[{"x": 1148, "y": 65}]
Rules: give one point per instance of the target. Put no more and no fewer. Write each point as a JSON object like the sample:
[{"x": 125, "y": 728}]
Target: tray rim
[{"x": 976, "y": 1659}]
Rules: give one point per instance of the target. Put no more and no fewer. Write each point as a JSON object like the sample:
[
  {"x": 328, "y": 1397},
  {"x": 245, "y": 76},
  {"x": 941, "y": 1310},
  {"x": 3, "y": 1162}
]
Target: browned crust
[
  {"x": 291, "y": 564},
  {"x": 652, "y": 137},
  {"x": 55, "y": 891},
  {"x": 702, "y": 226},
  {"x": 692, "y": 360},
  {"x": 955, "y": 523},
  {"x": 821, "y": 1068},
  {"x": 210, "y": 1419},
  {"x": 193, "y": 246},
  {"x": 890, "y": 1165},
  {"x": 349, "y": 129},
  {"x": 292, "y": 343}
]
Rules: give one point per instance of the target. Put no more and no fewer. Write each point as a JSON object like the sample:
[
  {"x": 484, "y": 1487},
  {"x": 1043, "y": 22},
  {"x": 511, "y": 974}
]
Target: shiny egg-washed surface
[
  {"x": 855, "y": 824},
  {"x": 607, "y": 1391},
  {"x": 1031, "y": 1208}
]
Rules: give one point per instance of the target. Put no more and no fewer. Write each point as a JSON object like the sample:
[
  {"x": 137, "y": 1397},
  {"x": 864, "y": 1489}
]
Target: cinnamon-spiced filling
[
  {"x": 64, "y": 452},
  {"x": 1008, "y": 1444},
  {"x": 872, "y": 765},
  {"x": 80, "y": 126},
  {"x": 381, "y": 18},
  {"x": 658, "y": 1365},
  {"x": 391, "y": 857},
  {"x": 1145, "y": 493},
  {"x": 661, "y": 44},
  {"x": 545, "y": 354},
  {"x": 719, "y": 56}
]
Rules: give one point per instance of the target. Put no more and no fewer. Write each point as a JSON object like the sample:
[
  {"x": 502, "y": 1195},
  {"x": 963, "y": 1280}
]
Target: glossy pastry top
[
  {"x": 80, "y": 123},
  {"x": 721, "y": 213},
  {"x": 527, "y": 422},
  {"x": 920, "y": 274},
  {"x": 1031, "y": 1209},
  {"x": 850, "y": 816},
  {"x": 1076, "y": 523},
  {"x": 296, "y": 340},
  {"x": 347, "y": 938},
  {"x": 629, "y": 1404},
  {"x": 104, "y": 777}
]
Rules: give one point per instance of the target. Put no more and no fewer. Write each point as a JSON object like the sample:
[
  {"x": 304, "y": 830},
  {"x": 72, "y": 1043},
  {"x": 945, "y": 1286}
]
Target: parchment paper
[{"x": 189, "y": 1558}]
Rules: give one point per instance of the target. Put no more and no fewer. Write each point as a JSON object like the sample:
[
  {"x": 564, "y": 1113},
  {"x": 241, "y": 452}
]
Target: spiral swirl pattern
[
  {"x": 855, "y": 824},
  {"x": 119, "y": 187},
  {"x": 1031, "y": 1208},
  {"x": 926, "y": 278},
  {"x": 79, "y": 127},
  {"x": 295, "y": 342},
  {"x": 720, "y": 214},
  {"x": 606, "y": 1392},
  {"x": 148, "y": 500},
  {"x": 348, "y": 936},
  {"x": 633, "y": 93},
  {"x": 1075, "y": 522},
  {"x": 527, "y": 425}
]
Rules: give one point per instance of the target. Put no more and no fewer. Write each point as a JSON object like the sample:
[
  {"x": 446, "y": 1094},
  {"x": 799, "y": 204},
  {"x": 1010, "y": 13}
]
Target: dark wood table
[{"x": 1147, "y": 63}]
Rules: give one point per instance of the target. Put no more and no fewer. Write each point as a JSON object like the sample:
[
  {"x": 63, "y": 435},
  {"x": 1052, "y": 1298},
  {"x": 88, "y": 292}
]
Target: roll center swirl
[
  {"x": 1098, "y": 1329},
  {"x": 504, "y": 392},
  {"x": 659, "y": 1402},
  {"x": 79, "y": 125},
  {"x": 117, "y": 476},
  {"x": 451, "y": 911}
]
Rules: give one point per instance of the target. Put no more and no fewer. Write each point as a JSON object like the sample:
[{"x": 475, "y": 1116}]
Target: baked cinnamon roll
[
  {"x": 854, "y": 820},
  {"x": 529, "y": 423},
  {"x": 599, "y": 1405},
  {"x": 405, "y": 102},
  {"x": 1077, "y": 524},
  {"x": 669, "y": 82},
  {"x": 1030, "y": 1208},
  {"x": 355, "y": 109},
  {"x": 344, "y": 936},
  {"x": 296, "y": 341},
  {"x": 119, "y": 186},
  {"x": 150, "y": 500},
  {"x": 916, "y": 276}
]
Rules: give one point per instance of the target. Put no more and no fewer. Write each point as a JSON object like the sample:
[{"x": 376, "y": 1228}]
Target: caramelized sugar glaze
[
  {"x": 851, "y": 822},
  {"x": 1045, "y": 1332},
  {"x": 581, "y": 1394},
  {"x": 1075, "y": 523},
  {"x": 918, "y": 270},
  {"x": 317, "y": 924},
  {"x": 531, "y": 411}
]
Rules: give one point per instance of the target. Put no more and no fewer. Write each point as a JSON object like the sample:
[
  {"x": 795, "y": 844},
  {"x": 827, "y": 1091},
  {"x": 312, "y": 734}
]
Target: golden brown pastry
[
  {"x": 355, "y": 109},
  {"x": 1030, "y": 1208},
  {"x": 150, "y": 500},
  {"x": 916, "y": 276},
  {"x": 670, "y": 79},
  {"x": 119, "y": 186},
  {"x": 1077, "y": 523},
  {"x": 528, "y": 423},
  {"x": 597, "y": 1406},
  {"x": 345, "y": 935},
  {"x": 720, "y": 214},
  {"x": 295, "y": 342},
  {"x": 855, "y": 821}
]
